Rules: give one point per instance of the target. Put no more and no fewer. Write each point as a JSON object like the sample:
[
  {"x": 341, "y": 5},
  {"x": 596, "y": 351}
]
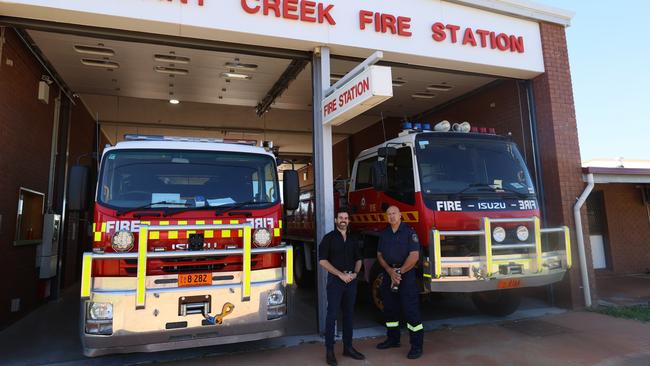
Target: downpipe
[{"x": 581, "y": 240}]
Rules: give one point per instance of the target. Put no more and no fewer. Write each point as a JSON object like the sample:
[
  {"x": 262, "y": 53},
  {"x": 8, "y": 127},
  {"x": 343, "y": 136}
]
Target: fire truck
[
  {"x": 468, "y": 194},
  {"x": 187, "y": 246}
]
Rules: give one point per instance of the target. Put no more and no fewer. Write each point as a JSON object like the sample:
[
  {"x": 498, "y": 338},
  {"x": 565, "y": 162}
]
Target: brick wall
[
  {"x": 559, "y": 150},
  {"x": 628, "y": 228},
  {"x": 25, "y": 141},
  {"x": 25, "y": 146}
]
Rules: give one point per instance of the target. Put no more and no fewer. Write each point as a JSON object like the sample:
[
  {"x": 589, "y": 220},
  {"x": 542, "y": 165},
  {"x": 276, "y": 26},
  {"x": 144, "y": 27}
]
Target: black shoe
[
  {"x": 388, "y": 344},
  {"x": 414, "y": 353},
  {"x": 331, "y": 359},
  {"x": 353, "y": 353}
]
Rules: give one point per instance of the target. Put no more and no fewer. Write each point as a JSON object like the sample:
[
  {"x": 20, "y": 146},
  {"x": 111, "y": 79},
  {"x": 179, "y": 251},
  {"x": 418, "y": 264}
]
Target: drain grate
[{"x": 536, "y": 328}]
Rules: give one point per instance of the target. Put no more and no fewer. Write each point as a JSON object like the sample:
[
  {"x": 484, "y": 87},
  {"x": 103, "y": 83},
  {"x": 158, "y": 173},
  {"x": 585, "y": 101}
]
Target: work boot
[
  {"x": 331, "y": 359},
  {"x": 388, "y": 343},
  {"x": 414, "y": 353},
  {"x": 353, "y": 353}
]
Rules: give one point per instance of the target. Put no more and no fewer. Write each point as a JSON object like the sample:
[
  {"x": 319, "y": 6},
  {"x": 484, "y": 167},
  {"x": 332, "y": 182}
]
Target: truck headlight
[
  {"x": 522, "y": 233},
  {"x": 262, "y": 237},
  {"x": 100, "y": 311},
  {"x": 122, "y": 241},
  {"x": 276, "y": 297},
  {"x": 499, "y": 234}
]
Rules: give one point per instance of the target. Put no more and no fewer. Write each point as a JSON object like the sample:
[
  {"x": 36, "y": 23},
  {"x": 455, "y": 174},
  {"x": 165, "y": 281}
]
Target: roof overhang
[
  {"x": 522, "y": 9},
  {"x": 617, "y": 175}
]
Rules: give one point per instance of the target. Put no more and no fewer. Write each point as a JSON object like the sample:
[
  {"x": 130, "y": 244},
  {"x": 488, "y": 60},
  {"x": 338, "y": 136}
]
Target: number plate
[
  {"x": 509, "y": 283},
  {"x": 194, "y": 279}
]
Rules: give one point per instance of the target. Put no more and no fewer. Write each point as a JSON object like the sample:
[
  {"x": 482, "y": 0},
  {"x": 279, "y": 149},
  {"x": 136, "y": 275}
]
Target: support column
[{"x": 323, "y": 179}]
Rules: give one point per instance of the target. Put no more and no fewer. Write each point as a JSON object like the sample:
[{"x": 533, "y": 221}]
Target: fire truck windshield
[
  {"x": 171, "y": 179},
  {"x": 469, "y": 165}
]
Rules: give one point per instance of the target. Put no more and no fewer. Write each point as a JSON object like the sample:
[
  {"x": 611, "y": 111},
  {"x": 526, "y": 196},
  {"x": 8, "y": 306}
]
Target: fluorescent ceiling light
[
  {"x": 171, "y": 58},
  {"x": 171, "y": 70},
  {"x": 234, "y": 75},
  {"x": 100, "y": 63},
  {"x": 423, "y": 95},
  {"x": 174, "y": 101},
  {"x": 439, "y": 87},
  {"x": 398, "y": 83},
  {"x": 94, "y": 50},
  {"x": 242, "y": 67}
]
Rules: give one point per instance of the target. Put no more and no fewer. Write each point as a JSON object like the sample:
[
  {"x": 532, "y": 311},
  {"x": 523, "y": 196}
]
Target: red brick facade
[
  {"x": 25, "y": 140},
  {"x": 627, "y": 228},
  {"x": 559, "y": 150}
]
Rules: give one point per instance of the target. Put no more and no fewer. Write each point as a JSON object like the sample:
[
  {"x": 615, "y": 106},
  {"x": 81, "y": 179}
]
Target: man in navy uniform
[
  {"x": 398, "y": 253},
  {"x": 340, "y": 255}
]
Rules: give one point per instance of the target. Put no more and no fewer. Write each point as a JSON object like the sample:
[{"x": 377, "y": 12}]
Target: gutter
[{"x": 581, "y": 241}]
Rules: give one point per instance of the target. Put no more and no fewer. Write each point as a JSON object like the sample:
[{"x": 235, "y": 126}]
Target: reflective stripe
[
  {"x": 488, "y": 245},
  {"x": 276, "y": 232},
  {"x": 280, "y": 224},
  {"x": 98, "y": 236},
  {"x": 289, "y": 265},
  {"x": 226, "y": 234},
  {"x": 142, "y": 268},
  {"x": 182, "y": 222},
  {"x": 172, "y": 235},
  {"x": 103, "y": 227},
  {"x": 190, "y": 232},
  {"x": 414, "y": 328},
  {"x": 392, "y": 324},
  {"x": 246, "y": 280},
  {"x": 234, "y": 222},
  {"x": 437, "y": 268},
  {"x": 538, "y": 243},
  {"x": 427, "y": 275},
  {"x": 200, "y": 222},
  {"x": 240, "y": 233},
  {"x": 209, "y": 234},
  {"x": 86, "y": 274},
  {"x": 567, "y": 246},
  {"x": 94, "y": 227},
  {"x": 217, "y": 222},
  {"x": 163, "y": 223},
  {"x": 154, "y": 235}
]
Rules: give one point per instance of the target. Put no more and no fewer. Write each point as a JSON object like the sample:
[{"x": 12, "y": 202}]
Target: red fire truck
[
  {"x": 187, "y": 248},
  {"x": 468, "y": 194}
]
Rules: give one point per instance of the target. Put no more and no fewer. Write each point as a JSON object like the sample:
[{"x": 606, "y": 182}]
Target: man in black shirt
[{"x": 340, "y": 255}]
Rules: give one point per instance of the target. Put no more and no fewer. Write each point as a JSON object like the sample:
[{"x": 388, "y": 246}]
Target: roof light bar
[
  {"x": 94, "y": 50},
  {"x": 241, "y": 67},
  {"x": 171, "y": 70},
  {"x": 100, "y": 63},
  {"x": 423, "y": 95},
  {"x": 137, "y": 137},
  {"x": 439, "y": 87},
  {"x": 171, "y": 58},
  {"x": 235, "y": 75}
]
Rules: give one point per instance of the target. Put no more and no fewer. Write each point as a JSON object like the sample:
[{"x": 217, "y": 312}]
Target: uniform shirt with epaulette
[{"x": 396, "y": 246}]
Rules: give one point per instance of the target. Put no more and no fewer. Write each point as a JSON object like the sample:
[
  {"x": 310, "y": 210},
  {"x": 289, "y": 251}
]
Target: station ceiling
[{"x": 127, "y": 93}]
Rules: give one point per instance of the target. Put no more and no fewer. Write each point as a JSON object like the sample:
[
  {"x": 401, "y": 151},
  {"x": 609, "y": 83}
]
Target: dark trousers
[
  {"x": 406, "y": 300},
  {"x": 339, "y": 296}
]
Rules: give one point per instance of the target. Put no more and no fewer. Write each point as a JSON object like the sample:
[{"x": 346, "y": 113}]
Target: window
[
  {"x": 364, "y": 173},
  {"x": 400, "y": 176},
  {"x": 29, "y": 221}
]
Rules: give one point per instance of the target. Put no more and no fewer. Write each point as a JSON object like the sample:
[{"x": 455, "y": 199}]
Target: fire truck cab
[
  {"x": 187, "y": 248},
  {"x": 468, "y": 194}
]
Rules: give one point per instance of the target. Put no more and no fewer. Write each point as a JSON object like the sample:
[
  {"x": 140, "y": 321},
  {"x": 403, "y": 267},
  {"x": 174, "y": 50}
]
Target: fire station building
[{"x": 76, "y": 76}]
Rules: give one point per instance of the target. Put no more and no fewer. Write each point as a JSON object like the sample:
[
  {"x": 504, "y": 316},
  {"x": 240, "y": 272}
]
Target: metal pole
[
  {"x": 582, "y": 256},
  {"x": 323, "y": 179}
]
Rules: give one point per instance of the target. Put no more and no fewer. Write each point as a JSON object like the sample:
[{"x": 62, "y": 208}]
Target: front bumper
[{"x": 160, "y": 327}]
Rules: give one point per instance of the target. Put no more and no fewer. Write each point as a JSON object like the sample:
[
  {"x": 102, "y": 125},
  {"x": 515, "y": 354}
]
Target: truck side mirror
[
  {"x": 379, "y": 177},
  {"x": 291, "y": 190},
  {"x": 78, "y": 188},
  {"x": 385, "y": 152}
]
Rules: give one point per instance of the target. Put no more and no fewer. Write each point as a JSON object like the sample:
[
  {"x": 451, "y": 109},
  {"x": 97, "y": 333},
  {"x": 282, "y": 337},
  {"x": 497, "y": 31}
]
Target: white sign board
[
  {"x": 425, "y": 32},
  {"x": 366, "y": 90}
]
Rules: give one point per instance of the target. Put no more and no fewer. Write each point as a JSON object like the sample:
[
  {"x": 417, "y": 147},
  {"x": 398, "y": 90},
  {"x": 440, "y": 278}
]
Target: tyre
[
  {"x": 496, "y": 303},
  {"x": 303, "y": 277},
  {"x": 376, "y": 277}
]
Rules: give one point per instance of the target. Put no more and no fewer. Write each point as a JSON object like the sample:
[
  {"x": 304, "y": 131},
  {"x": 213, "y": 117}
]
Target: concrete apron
[{"x": 50, "y": 335}]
